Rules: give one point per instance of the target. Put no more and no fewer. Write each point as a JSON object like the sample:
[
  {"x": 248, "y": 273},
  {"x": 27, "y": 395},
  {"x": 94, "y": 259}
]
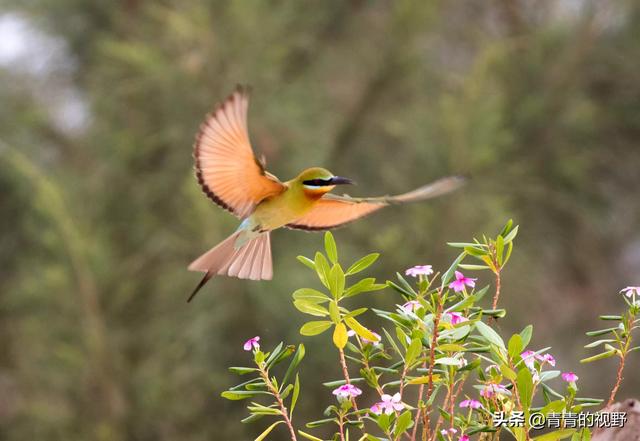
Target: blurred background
[{"x": 538, "y": 101}]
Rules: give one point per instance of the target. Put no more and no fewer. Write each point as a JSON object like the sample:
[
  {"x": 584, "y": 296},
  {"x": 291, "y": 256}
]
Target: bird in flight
[{"x": 231, "y": 175}]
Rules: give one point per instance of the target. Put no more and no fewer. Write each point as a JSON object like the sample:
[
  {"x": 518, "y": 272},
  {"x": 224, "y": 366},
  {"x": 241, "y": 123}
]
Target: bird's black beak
[{"x": 339, "y": 180}]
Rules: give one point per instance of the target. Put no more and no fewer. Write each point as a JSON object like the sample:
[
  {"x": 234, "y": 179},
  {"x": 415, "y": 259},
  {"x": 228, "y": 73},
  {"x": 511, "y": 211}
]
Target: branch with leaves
[{"x": 439, "y": 349}]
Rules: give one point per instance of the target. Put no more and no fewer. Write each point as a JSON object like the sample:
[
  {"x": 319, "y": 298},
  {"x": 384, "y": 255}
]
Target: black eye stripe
[{"x": 317, "y": 182}]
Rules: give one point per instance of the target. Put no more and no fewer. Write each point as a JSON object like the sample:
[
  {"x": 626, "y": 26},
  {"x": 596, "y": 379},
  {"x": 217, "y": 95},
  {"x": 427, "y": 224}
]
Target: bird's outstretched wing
[
  {"x": 226, "y": 167},
  {"x": 334, "y": 211}
]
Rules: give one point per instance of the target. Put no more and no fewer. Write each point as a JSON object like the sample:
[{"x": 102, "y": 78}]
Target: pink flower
[
  {"x": 546, "y": 358},
  {"x": 451, "y": 430},
  {"x": 529, "y": 358},
  {"x": 252, "y": 343},
  {"x": 462, "y": 281},
  {"x": 473, "y": 404},
  {"x": 569, "y": 377},
  {"x": 630, "y": 290},
  {"x": 347, "y": 391},
  {"x": 388, "y": 405},
  {"x": 456, "y": 317},
  {"x": 464, "y": 438},
  {"x": 419, "y": 270},
  {"x": 491, "y": 389},
  {"x": 411, "y": 306}
]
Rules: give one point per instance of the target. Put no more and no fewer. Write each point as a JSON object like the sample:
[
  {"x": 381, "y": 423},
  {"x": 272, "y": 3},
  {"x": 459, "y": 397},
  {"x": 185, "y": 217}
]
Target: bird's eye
[{"x": 317, "y": 182}]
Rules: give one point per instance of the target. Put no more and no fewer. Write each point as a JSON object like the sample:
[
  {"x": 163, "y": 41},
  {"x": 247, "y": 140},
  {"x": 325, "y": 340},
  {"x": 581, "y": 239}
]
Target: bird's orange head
[{"x": 317, "y": 181}]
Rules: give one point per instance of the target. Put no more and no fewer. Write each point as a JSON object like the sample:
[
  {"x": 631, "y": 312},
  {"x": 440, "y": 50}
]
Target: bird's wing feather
[
  {"x": 226, "y": 166},
  {"x": 333, "y": 211}
]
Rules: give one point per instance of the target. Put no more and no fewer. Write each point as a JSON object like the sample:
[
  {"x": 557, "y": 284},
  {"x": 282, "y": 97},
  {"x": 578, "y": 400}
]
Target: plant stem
[
  {"x": 341, "y": 427},
  {"x": 616, "y": 386},
  {"x": 345, "y": 373},
  {"x": 624, "y": 349},
  {"x": 496, "y": 296},
  {"x": 414, "y": 432},
  {"x": 432, "y": 362},
  {"x": 274, "y": 391}
]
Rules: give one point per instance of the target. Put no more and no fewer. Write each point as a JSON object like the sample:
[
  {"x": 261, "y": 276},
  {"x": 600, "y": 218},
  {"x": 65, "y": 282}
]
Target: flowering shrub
[{"x": 438, "y": 369}]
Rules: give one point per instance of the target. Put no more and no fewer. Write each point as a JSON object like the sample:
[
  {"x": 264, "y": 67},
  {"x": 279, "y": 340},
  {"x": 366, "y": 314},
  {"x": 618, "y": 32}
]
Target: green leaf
[
  {"x": 322, "y": 268},
  {"x": 275, "y": 353},
  {"x": 264, "y": 410},
  {"x": 403, "y": 423},
  {"x": 490, "y": 335},
  {"x": 240, "y": 394},
  {"x": 473, "y": 267},
  {"x": 294, "y": 397},
  {"x": 598, "y": 357},
  {"x": 475, "y": 251},
  {"x": 598, "y": 343},
  {"x": 610, "y": 317},
  {"x": 360, "y": 330},
  {"x": 515, "y": 346},
  {"x": 506, "y": 228},
  {"x": 311, "y": 308},
  {"x": 364, "y": 285},
  {"x": 601, "y": 332},
  {"x": 295, "y": 361},
  {"x": 330, "y": 247},
  {"x": 509, "y": 250},
  {"x": 512, "y": 235},
  {"x": 268, "y": 430},
  {"x": 497, "y": 313},
  {"x": 307, "y": 436},
  {"x": 425, "y": 379},
  {"x": 241, "y": 370},
  {"x": 413, "y": 351},
  {"x": 448, "y": 275},
  {"x": 334, "y": 312},
  {"x": 405, "y": 285},
  {"x": 508, "y": 372},
  {"x": 362, "y": 264},
  {"x": 356, "y": 312},
  {"x": 525, "y": 334},
  {"x": 448, "y": 361},
  {"x": 318, "y": 423},
  {"x": 462, "y": 304},
  {"x": 500, "y": 249},
  {"x": 286, "y": 353},
  {"x": 451, "y": 347},
  {"x": 310, "y": 295},
  {"x": 525, "y": 388},
  {"x": 340, "y": 336},
  {"x": 314, "y": 328},
  {"x": 336, "y": 281},
  {"x": 556, "y": 406},
  {"x": 307, "y": 262},
  {"x": 465, "y": 244}
]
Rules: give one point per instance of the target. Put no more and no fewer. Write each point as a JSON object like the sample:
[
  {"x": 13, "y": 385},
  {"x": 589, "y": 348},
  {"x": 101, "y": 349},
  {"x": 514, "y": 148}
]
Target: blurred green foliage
[{"x": 537, "y": 101}]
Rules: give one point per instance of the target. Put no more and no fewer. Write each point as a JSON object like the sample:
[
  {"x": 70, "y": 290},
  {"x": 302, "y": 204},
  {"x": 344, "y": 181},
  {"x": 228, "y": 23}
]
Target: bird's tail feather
[
  {"x": 250, "y": 261},
  {"x": 432, "y": 190}
]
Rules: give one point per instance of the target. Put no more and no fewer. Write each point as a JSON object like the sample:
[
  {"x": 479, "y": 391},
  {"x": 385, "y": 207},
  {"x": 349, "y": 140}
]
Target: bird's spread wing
[
  {"x": 333, "y": 211},
  {"x": 226, "y": 167}
]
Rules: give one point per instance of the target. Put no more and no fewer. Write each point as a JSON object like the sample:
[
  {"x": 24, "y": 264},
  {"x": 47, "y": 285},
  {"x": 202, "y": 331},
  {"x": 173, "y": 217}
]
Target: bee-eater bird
[{"x": 235, "y": 179}]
